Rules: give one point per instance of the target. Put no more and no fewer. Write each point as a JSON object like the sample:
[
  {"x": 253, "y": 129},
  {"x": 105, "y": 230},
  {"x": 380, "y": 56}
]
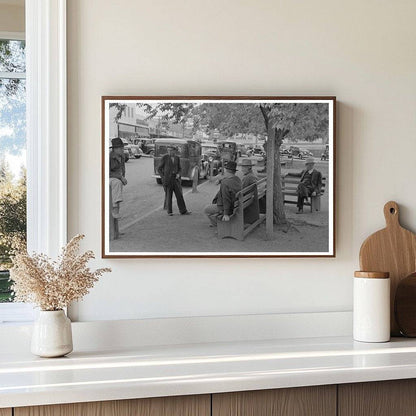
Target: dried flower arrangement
[{"x": 53, "y": 285}]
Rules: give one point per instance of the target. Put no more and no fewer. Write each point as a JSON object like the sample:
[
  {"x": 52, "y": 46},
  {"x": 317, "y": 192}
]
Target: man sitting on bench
[
  {"x": 310, "y": 183},
  {"x": 223, "y": 204}
]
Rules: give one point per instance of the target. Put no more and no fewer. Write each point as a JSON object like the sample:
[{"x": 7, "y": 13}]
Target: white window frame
[{"x": 46, "y": 127}]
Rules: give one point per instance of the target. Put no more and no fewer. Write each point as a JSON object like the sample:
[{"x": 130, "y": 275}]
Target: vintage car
[
  {"x": 325, "y": 154},
  {"x": 284, "y": 151},
  {"x": 304, "y": 153},
  {"x": 135, "y": 148},
  {"x": 189, "y": 152},
  {"x": 147, "y": 146},
  {"x": 211, "y": 158},
  {"x": 128, "y": 153},
  {"x": 259, "y": 151},
  {"x": 300, "y": 153},
  {"x": 228, "y": 151}
]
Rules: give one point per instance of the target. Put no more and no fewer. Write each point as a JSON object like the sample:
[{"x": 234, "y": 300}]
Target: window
[
  {"x": 12, "y": 155},
  {"x": 45, "y": 27},
  {"x": 194, "y": 149}
]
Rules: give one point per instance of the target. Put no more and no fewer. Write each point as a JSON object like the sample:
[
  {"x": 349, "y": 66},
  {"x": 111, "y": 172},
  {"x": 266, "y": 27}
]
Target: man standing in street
[
  {"x": 310, "y": 183},
  {"x": 251, "y": 213},
  {"x": 223, "y": 204},
  {"x": 117, "y": 175},
  {"x": 170, "y": 172}
]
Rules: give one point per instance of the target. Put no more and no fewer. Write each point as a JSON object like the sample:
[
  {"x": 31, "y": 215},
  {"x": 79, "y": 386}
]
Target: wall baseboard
[{"x": 103, "y": 335}]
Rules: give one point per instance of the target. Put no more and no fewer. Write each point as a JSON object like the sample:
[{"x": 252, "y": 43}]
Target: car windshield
[
  {"x": 211, "y": 149},
  {"x": 162, "y": 149},
  {"x": 228, "y": 145}
]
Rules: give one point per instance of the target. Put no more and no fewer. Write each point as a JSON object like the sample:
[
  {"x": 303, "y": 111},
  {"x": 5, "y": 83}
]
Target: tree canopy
[
  {"x": 304, "y": 121},
  {"x": 229, "y": 118}
]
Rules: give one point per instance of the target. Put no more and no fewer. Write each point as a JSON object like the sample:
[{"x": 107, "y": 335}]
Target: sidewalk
[{"x": 158, "y": 232}]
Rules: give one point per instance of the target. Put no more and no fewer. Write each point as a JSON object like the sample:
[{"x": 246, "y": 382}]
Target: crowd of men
[{"x": 229, "y": 183}]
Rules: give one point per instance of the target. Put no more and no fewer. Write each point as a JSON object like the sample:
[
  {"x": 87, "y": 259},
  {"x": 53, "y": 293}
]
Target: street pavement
[
  {"x": 142, "y": 194},
  {"x": 146, "y": 227}
]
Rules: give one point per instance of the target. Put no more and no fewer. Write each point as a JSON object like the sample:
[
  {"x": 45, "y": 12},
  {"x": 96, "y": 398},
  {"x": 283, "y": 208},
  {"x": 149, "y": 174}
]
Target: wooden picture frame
[{"x": 206, "y": 133}]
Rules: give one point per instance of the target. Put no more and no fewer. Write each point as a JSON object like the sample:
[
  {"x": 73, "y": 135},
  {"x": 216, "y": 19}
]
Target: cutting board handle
[{"x": 391, "y": 214}]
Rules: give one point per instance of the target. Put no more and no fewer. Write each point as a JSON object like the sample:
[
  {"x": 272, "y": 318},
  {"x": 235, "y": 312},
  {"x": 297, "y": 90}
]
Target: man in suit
[
  {"x": 310, "y": 183},
  {"x": 223, "y": 204},
  {"x": 170, "y": 172}
]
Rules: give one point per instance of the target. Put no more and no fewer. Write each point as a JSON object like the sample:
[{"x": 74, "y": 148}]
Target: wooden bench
[
  {"x": 236, "y": 227},
  {"x": 290, "y": 184}
]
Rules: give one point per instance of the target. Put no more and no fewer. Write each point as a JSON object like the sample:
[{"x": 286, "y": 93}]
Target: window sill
[{"x": 16, "y": 313}]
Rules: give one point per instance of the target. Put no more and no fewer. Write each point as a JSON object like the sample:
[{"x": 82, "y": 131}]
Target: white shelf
[{"x": 151, "y": 371}]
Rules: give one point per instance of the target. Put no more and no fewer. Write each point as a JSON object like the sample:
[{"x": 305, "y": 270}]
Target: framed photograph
[{"x": 218, "y": 176}]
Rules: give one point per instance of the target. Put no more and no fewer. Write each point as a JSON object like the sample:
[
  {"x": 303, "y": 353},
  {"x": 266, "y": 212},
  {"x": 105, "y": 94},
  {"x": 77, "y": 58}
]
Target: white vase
[{"x": 52, "y": 334}]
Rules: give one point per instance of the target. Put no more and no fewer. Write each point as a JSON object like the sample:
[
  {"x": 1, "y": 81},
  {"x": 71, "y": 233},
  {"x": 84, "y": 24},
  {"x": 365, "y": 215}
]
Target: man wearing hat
[
  {"x": 247, "y": 170},
  {"x": 251, "y": 213},
  {"x": 310, "y": 183},
  {"x": 117, "y": 174},
  {"x": 223, "y": 204},
  {"x": 170, "y": 172}
]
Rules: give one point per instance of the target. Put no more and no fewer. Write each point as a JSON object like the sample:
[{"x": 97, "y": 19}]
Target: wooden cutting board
[
  {"x": 393, "y": 250},
  {"x": 405, "y": 305}
]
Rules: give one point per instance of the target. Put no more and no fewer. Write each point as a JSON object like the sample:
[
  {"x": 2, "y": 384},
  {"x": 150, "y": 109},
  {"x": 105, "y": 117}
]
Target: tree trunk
[
  {"x": 279, "y": 215},
  {"x": 275, "y": 138},
  {"x": 269, "y": 184}
]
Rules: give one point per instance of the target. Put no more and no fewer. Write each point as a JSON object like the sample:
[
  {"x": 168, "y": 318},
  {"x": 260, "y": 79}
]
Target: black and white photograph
[{"x": 218, "y": 176}]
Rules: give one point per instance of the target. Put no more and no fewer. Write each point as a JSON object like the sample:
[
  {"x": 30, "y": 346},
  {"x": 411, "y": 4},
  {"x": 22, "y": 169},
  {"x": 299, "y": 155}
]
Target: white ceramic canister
[{"x": 371, "y": 313}]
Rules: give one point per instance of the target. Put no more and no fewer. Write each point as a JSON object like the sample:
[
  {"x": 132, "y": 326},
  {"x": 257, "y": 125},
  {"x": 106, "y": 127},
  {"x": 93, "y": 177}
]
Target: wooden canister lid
[{"x": 372, "y": 275}]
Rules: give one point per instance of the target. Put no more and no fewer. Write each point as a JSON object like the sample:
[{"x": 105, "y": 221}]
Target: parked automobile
[
  {"x": 189, "y": 152},
  {"x": 228, "y": 151},
  {"x": 284, "y": 151},
  {"x": 259, "y": 151},
  {"x": 301, "y": 153},
  {"x": 211, "y": 158},
  {"x": 128, "y": 154},
  {"x": 325, "y": 154},
  {"x": 147, "y": 146},
  {"x": 137, "y": 152},
  {"x": 136, "y": 149},
  {"x": 304, "y": 153},
  {"x": 242, "y": 150}
]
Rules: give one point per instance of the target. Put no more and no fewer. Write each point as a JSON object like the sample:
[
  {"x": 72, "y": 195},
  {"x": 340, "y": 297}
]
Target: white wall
[{"x": 361, "y": 51}]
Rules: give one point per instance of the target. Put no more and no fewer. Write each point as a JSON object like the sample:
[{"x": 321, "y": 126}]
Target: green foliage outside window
[
  {"x": 12, "y": 145},
  {"x": 12, "y": 224}
]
